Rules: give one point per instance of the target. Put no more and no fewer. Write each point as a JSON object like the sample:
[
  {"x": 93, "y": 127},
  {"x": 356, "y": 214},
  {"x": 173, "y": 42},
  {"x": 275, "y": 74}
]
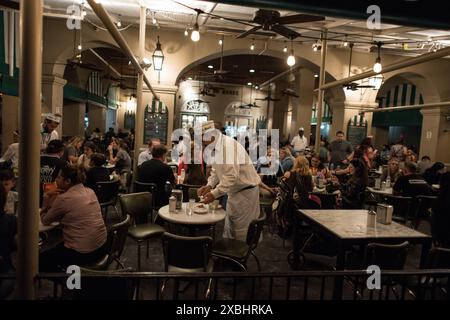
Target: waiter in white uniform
[
  {"x": 237, "y": 178},
  {"x": 48, "y": 129},
  {"x": 299, "y": 143}
]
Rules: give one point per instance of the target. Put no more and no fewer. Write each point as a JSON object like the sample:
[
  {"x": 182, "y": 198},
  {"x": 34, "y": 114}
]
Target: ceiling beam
[
  {"x": 105, "y": 62},
  {"x": 9, "y": 5},
  {"x": 337, "y": 23},
  {"x": 392, "y": 67}
]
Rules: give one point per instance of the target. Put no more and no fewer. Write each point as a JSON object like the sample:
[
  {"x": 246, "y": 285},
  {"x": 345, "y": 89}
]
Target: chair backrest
[
  {"x": 423, "y": 204},
  {"x": 144, "y": 187},
  {"x": 107, "y": 190},
  {"x": 386, "y": 256},
  {"x": 439, "y": 258},
  {"x": 328, "y": 201},
  {"x": 402, "y": 205},
  {"x": 101, "y": 287},
  {"x": 186, "y": 253},
  {"x": 137, "y": 205},
  {"x": 254, "y": 231},
  {"x": 117, "y": 235},
  {"x": 187, "y": 193}
]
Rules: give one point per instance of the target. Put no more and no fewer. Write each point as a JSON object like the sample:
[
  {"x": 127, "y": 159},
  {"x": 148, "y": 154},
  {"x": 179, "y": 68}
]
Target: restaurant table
[
  {"x": 384, "y": 192},
  {"x": 349, "y": 227},
  {"x": 50, "y": 236},
  {"x": 181, "y": 217}
]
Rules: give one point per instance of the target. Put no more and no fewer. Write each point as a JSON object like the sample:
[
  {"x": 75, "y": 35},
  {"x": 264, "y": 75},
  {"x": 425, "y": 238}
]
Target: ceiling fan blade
[
  {"x": 246, "y": 33},
  {"x": 285, "y": 32},
  {"x": 298, "y": 18},
  {"x": 241, "y": 21}
]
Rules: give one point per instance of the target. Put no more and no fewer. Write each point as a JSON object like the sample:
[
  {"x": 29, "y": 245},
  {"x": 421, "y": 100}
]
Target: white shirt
[
  {"x": 299, "y": 143},
  {"x": 231, "y": 177},
  {"x": 47, "y": 137},
  {"x": 12, "y": 153},
  {"x": 144, "y": 156}
]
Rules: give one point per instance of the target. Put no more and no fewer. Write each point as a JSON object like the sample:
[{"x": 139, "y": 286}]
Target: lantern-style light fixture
[{"x": 158, "y": 57}]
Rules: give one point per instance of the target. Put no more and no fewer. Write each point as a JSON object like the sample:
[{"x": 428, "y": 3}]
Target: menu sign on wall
[{"x": 356, "y": 130}]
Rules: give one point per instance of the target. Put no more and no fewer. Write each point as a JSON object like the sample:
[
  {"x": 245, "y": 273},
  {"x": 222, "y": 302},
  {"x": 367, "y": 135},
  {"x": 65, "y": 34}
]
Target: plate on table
[{"x": 200, "y": 209}]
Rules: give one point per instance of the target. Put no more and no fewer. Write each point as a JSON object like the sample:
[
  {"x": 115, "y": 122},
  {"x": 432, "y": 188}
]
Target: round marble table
[
  {"x": 387, "y": 191},
  {"x": 181, "y": 217}
]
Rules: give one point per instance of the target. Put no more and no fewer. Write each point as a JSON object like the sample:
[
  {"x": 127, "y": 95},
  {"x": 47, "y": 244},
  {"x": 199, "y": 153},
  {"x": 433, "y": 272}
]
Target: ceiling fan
[
  {"x": 249, "y": 106},
  {"x": 268, "y": 98},
  {"x": 354, "y": 86},
  {"x": 290, "y": 92},
  {"x": 271, "y": 20},
  {"x": 77, "y": 62}
]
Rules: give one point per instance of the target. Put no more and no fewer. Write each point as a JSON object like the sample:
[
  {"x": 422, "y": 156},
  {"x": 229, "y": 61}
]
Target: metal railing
[{"x": 304, "y": 285}]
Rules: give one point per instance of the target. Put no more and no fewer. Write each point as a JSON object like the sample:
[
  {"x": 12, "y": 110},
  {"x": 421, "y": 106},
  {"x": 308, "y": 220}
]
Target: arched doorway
[{"x": 403, "y": 124}]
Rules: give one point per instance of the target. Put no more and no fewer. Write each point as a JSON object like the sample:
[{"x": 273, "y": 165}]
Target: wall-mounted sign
[{"x": 356, "y": 130}]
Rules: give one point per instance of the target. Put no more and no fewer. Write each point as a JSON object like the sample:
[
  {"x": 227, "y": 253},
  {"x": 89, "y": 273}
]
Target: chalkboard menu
[
  {"x": 356, "y": 130},
  {"x": 155, "y": 122}
]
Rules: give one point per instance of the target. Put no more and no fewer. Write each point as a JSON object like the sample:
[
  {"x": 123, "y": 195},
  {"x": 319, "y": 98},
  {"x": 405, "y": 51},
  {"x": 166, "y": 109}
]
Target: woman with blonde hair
[
  {"x": 73, "y": 149},
  {"x": 300, "y": 176}
]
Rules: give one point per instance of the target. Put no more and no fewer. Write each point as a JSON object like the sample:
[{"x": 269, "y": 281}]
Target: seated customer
[
  {"x": 77, "y": 209},
  {"x": 84, "y": 161},
  {"x": 433, "y": 175},
  {"x": 8, "y": 181},
  {"x": 158, "y": 172},
  {"x": 350, "y": 191},
  {"x": 51, "y": 164},
  {"x": 393, "y": 171},
  {"x": 440, "y": 225},
  {"x": 97, "y": 173},
  {"x": 300, "y": 179},
  {"x": 411, "y": 184},
  {"x": 8, "y": 230}
]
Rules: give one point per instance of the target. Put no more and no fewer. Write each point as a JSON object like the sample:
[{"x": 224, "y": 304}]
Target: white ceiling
[{"x": 170, "y": 14}]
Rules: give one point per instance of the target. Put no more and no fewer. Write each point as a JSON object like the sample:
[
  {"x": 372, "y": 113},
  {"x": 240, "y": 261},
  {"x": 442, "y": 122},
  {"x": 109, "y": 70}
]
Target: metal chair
[
  {"x": 147, "y": 187},
  {"x": 422, "y": 205},
  {"x": 238, "y": 251},
  {"x": 328, "y": 200},
  {"x": 139, "y": 206},
  {"x": 402, "y": 208},
  {"x": 115, "y": 244},
  {"x": 107, "y": 192},
  {"x": 187, "y": 255},
  {"x": 386, "y": 257}
]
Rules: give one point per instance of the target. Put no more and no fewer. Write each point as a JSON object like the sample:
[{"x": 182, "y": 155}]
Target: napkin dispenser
[{"x": 384, "y": 213}]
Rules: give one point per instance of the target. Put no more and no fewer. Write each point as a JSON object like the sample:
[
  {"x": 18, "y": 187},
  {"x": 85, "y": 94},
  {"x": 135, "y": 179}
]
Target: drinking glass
[{"x": 191, "y": 206}]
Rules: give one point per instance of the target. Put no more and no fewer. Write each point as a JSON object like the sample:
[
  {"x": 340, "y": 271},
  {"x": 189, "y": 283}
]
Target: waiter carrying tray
[{"x": 233, "y": 174}]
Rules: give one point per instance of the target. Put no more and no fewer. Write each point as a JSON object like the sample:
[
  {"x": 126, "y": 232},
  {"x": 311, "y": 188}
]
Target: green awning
[{"x": 403, "y": 118}]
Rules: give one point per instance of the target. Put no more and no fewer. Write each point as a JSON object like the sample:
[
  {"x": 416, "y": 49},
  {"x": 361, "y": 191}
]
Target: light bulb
[
  {"x": 154, "y": 20},
  {"x": 80, "y": 47},
  {"x": 285, "y": 49},
  {"x": 220, "y": 42},
  {"x": 119, "y": 24},
  {"x": 186, "y": 33},
  {"x": 252, "y": 70},
  {"x": 291, "y": 59},
  {"x": 83, "y": 13},
  {"x": 249, "y": 84},
  {"x": 315, "y": 48},
  {"x": 377, "y": 67},
  {"x": 345, "y": 44},
  {"x": 195, "y": 35},
  {"x": 252, "y": 47}
]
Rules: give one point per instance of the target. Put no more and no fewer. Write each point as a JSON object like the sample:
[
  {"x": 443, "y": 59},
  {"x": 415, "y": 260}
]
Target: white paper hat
[{"x": 53, "y": 117}]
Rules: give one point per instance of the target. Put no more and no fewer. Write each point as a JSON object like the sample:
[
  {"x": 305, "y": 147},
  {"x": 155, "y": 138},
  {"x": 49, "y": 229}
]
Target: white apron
[{"x": 242, "y": 209}]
